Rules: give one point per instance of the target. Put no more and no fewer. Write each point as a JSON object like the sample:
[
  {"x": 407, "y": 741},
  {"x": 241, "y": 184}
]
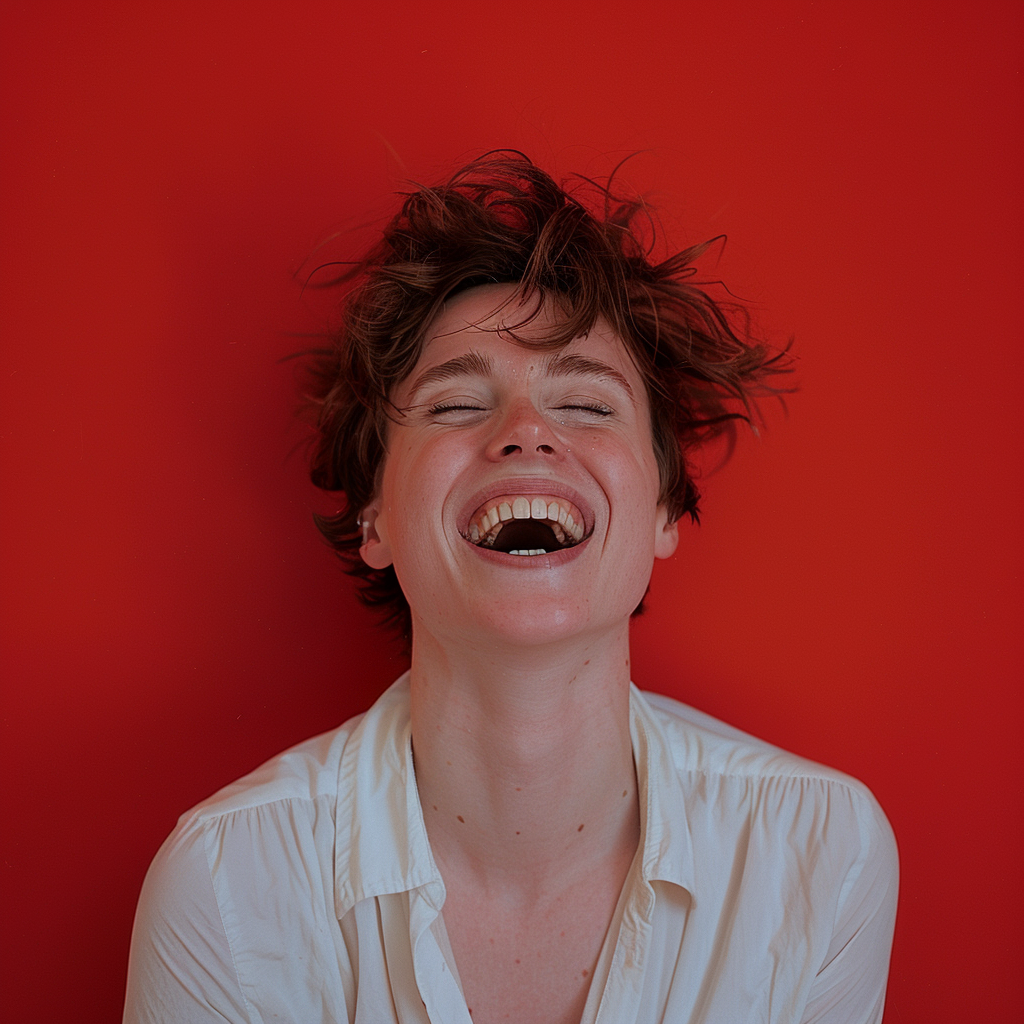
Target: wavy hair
[{"x": 500, "y": 219}]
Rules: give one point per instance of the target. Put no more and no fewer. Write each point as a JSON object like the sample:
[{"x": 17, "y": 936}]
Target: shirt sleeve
[
  {"x": 180, "y": 967},
  {"x": 850, "y": 986}
]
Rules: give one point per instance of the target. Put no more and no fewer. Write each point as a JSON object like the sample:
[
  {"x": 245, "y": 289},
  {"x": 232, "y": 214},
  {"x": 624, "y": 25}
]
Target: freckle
[
  {"x": 462, "y": 819},
  {"x": 448, "y": 763},
  {"x": 580, "y": 829},
  {"x": 587, "y": 662},
  {"x": 561, "y": 935},
  {"x": 623, "y": 793},
  {"x": 435, "y": 805},
  {"x": 519, "y": 789},
  {"x": 517, "y": 833},
  {"x": 518, "y": 960},
  {"x": 585, "y": 972}
]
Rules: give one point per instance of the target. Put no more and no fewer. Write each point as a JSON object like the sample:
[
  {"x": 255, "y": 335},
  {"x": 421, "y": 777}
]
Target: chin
[{"x": 535, "y": 623}]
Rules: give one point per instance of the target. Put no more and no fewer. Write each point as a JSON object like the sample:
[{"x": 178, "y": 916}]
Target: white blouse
[{"x": 764, "y": 890}]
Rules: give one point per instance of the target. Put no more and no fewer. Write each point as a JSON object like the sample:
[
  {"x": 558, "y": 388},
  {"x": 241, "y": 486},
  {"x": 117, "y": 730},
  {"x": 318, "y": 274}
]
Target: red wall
[{"x": 169, "y": 616}]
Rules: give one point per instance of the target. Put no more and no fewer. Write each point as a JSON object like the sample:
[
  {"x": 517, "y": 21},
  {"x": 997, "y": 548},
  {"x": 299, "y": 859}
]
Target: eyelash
[
  {"x": 443, "y": 407},
  {"x": 599, "y": 410},
  {"x": 453, "y": 407}
]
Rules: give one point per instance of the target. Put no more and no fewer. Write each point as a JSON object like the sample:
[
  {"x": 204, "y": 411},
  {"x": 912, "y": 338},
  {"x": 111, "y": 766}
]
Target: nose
[{"x": 522, "y": 430}]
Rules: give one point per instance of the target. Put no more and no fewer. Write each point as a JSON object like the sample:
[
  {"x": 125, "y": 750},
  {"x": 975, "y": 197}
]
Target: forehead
[{"x": 495, "y": 320}]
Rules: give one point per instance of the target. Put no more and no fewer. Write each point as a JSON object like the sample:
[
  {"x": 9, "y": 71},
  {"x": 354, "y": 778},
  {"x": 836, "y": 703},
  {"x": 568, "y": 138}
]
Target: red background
[{"x": 170, "y": 617}]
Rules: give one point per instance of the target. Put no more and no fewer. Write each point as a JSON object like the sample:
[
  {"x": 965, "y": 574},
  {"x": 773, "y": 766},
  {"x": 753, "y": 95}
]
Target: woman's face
[{"x": 519, "y": 494}]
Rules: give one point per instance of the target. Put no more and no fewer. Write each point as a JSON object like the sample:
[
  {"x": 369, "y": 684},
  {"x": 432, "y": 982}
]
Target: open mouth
[{"x": 520, "y": 524}]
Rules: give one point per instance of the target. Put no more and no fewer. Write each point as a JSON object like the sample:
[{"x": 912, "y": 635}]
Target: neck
[{"x": 523, "y": 758}]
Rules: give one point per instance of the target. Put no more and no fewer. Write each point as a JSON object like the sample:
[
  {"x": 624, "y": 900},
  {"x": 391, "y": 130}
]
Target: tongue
[{"x": 519, "y": 534}]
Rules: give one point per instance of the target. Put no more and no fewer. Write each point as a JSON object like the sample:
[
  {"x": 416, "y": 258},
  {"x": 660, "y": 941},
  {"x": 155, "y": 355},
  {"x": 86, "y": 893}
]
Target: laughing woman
[{"x": 514, "y": 831}]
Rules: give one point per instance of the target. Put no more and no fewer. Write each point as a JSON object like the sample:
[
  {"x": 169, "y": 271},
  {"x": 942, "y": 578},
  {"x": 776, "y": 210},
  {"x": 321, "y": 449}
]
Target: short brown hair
[{"x": 501, "y": 219}]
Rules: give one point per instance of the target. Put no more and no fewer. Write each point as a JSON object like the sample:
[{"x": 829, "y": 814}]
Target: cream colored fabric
[{"x": 764, "y": 890}]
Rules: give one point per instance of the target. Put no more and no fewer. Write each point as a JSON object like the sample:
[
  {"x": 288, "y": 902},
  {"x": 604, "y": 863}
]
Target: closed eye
[
  {"x": 455, "y": 411},
  {"x": 586, "y": 407}
]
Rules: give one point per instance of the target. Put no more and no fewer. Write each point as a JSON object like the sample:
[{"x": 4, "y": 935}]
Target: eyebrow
[
  {"x": 470, "y": 364},
  {"x": 572, "y": 365},
  {"x": 475, "y": 364}
]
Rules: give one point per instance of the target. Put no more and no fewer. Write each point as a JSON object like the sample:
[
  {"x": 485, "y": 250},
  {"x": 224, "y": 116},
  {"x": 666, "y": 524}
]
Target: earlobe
[
  {"x": 666, "y": 535},
  {"x": 374, "y": 550}
]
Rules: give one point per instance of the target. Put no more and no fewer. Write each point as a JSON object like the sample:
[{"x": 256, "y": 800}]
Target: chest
[{"x": 529, "y": 962}]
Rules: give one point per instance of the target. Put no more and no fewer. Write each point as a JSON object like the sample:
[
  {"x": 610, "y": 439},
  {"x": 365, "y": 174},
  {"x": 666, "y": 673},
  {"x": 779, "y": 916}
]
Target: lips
[{"x": 524, "y": 521}]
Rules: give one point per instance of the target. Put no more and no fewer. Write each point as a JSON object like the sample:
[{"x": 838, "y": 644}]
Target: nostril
[
  {"x": 510, "y": 448},
  {"x": 546, "y": 449}
]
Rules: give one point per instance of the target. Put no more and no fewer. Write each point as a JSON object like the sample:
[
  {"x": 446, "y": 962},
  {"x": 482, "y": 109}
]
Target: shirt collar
[
  {"x": 381, "y": 844},
  {"x": 664, "y": 832}
]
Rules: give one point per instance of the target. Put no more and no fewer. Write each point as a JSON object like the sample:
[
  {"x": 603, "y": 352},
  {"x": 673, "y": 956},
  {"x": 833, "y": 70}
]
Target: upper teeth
[{"x": 564, "y": 518}]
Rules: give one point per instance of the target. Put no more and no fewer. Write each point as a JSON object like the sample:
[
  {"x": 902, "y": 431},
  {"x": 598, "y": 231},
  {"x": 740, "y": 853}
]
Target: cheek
[
  {"x": 638, "y": 489},
  {"x": 415, "y": 485},
  {"x": 635, "y": 480}
]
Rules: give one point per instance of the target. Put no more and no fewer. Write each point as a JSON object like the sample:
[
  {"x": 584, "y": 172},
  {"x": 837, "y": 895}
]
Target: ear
[
  {"x": 666, "y": 534},
  {"x": 375, "y": 551}
]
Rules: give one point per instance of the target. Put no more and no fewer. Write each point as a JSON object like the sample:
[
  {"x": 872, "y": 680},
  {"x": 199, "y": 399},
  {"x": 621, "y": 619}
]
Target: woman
[{"x": 514, "y": 831}]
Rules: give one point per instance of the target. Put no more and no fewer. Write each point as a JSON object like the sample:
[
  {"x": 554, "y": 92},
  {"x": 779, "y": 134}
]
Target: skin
[{"x": 520, "y": 665}]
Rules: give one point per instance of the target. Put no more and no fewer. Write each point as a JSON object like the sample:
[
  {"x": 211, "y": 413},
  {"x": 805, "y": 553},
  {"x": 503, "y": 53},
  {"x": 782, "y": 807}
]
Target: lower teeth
[{"x": 528, "y": 551}]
